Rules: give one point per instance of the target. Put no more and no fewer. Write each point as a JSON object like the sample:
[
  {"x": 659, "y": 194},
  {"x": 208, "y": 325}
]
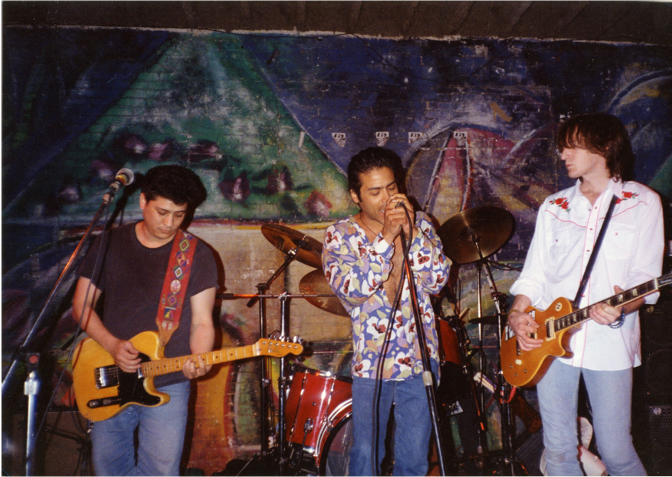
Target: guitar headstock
[{"x": 279, "y": 348}]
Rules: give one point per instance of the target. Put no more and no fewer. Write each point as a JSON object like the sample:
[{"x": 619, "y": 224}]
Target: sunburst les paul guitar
[
  {"x": 103, "y": 390},
  {"x": 556, "y": 326}
]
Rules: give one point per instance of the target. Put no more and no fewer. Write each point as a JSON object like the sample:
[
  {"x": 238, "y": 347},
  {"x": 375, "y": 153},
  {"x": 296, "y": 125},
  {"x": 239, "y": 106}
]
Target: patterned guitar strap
[{"x": 175, "y": 285}]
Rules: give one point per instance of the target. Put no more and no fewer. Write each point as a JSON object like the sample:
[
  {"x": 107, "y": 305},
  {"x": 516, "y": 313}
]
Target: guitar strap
[
  {"x": 593, "y": 255},
  {"x": 175, "y": 284}
]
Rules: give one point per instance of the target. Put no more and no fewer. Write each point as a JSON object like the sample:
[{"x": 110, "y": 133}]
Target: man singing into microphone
[
  {"x": 126, "y": 270},
  {"x": 363, "y": 260}
]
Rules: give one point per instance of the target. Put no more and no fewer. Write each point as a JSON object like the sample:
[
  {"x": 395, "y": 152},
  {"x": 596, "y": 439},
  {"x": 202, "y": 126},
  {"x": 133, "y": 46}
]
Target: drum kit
[{"x": 313, "y": 433}]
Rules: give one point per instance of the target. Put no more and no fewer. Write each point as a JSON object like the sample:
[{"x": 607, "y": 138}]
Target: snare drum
[{"x": 316, "y": 404}]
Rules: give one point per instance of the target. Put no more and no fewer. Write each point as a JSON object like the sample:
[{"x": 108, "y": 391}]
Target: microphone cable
[{"x": 381, "y": 360}]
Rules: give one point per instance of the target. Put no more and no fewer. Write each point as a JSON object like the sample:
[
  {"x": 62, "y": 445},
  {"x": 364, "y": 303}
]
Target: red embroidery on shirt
[
  {"x": 626, "y": 195},
  {"x": 561, "y": 202}
]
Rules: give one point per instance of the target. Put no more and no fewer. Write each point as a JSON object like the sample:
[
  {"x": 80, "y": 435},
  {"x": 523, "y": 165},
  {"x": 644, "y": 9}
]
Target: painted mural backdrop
[{"x": 269, "y": 123}]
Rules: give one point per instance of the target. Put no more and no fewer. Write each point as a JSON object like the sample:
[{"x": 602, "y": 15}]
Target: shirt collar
[{"x": 615, "y": 186}]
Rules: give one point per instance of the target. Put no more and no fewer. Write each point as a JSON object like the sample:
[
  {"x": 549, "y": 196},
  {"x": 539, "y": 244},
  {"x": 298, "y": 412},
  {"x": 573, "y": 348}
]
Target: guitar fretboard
[
  {"x": 170, "y": 365},
  {"x": 620, "y": 299}
]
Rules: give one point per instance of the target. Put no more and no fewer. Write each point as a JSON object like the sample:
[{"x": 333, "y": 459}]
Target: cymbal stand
[
  {"x": 265, "y": 381},
  {"x": 455, "y": 322},
  {"x": 282, "y": 383},
  {"x": 507, "y": 418}
]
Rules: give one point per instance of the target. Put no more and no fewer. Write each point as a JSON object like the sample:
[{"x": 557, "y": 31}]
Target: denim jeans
[
  {"x": 160, "y": 437},
  {"x": 610, "y": 397},
  {"x": 413, "y": 426}
]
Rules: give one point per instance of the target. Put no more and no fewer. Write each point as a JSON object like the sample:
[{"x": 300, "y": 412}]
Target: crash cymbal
[
  {"x": 315, "y": 283},
  {"x": 491, "y": 227},
  {"x": 286, "y": 239}
]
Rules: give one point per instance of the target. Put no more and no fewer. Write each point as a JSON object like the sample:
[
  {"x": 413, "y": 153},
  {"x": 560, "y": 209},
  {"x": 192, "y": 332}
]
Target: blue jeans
[
  {"x": 610, "y": 396},
  {"x": 413, "y": 426},
  {"x": 161, "y": 433}
]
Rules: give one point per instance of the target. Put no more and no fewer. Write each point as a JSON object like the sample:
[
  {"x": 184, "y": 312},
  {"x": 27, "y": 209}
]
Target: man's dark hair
[
  {"x": 373, "y": 158},
  {"x": 175, "y": 183},
  {"x": 603, "y": 134}
]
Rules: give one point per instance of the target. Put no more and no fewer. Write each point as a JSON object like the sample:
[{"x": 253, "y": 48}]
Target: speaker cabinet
[
  {"x": 656, "y": 325},
  {"x": 652, "y": 400}
]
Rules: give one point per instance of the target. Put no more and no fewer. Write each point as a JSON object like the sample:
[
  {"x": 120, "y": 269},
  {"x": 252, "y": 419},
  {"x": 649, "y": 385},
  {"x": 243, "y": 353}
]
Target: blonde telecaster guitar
[
  {"x": 556, "y": 325},
  {"x": 102, "y": 389}
]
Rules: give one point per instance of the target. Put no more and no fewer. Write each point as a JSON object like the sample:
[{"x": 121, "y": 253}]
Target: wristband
[{"x": 619, "y": 321}]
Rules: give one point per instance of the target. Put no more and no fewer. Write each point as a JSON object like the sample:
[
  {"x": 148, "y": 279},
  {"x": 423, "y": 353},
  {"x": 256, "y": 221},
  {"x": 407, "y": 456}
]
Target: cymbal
[
  {"x": 286, "y": 239},
  {"x": 315, "y": 283},
  {"x": 490, "y": 227}
]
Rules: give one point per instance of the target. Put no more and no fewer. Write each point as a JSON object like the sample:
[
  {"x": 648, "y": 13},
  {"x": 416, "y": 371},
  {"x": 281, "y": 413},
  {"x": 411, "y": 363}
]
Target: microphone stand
[
  {"x": 427, "y": 377},
  {"x": 32, "y": 383}
]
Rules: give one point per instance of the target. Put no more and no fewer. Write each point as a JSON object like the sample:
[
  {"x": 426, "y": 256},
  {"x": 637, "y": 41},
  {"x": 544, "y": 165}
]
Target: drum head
[{"x": 336, "y": 453}]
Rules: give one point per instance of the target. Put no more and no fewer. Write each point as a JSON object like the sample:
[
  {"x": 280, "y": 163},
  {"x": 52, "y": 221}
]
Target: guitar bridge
[
  {"x": 106, "y": 377},
  {"x": 550, "y": 329}
]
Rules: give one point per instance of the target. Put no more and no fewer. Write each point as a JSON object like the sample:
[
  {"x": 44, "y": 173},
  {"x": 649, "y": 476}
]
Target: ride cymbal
[
  {"x": 286, "y": 239},
  {"x": 489, "y": 227},
  {"x": 315, "y": 283}
]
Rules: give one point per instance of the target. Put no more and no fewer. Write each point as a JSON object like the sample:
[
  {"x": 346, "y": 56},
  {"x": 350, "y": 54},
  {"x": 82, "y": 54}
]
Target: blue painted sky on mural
[{"x": 368, "y": 76}]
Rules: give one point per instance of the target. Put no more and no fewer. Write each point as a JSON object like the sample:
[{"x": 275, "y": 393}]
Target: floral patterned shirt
[{"x": 356, "y": 269}]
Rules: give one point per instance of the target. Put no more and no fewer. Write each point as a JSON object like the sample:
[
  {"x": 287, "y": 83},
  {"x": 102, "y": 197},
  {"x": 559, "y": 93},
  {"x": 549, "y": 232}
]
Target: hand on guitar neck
[
  {"x": 525, "y": 327},
  {"x": 531, "y": 339}
]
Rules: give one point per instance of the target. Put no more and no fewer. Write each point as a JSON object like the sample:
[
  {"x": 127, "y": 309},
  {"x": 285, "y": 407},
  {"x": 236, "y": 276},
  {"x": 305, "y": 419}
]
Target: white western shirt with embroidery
[{"x": 631, "y": 254}]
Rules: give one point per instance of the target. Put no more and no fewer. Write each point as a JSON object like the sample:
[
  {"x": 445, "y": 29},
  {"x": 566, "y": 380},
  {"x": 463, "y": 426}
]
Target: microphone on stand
[{"x": 123, "y": 178}]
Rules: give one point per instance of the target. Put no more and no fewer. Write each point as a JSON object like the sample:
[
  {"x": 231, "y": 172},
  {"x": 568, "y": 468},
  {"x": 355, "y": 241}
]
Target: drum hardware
[
  {"x": 307, "y": 250},
  {"x": 472, "y": 236},
  {"x": 462, "y": 342},
  {"x": 485, "y": 320},
  {"x": 307, "y": 427},
  {"x": 316, "y": 404}
]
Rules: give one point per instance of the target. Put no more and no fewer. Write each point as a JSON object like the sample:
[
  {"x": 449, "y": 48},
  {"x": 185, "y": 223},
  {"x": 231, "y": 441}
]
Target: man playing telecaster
[{"x": 127, "y": 266}]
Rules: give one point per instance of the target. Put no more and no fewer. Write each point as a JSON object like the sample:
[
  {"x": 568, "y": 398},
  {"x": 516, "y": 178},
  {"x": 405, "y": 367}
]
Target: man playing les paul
[
  {"x": 596, "y": 152},
  {"x": 128, "y": 266}
]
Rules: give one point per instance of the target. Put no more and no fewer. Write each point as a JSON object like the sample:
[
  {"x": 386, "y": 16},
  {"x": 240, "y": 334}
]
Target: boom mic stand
[{"x": 25, "y": 350}]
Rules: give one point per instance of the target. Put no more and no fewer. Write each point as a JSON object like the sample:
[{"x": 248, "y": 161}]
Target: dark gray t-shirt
[{"x": 131, "y": 278}]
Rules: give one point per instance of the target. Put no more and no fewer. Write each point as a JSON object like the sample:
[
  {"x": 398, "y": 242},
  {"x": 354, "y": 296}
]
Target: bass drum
[{"x": 335, "y": 444}]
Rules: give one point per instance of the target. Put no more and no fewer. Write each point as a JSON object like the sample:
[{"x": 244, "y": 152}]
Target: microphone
[
  {"x": 123, "y": 178},
  {"x": 400, "y": 204}
]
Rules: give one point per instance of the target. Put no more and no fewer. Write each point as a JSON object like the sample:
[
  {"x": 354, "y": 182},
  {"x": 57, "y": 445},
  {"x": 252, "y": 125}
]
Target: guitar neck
[
  {"x": 170, "y": 365},
  {"x": 621, "y": 299}
]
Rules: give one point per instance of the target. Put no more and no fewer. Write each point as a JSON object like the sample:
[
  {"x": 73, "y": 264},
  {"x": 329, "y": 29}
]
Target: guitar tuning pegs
[
  {"x": 275, "y": 335},
  {"x": 296, "y": 339}
]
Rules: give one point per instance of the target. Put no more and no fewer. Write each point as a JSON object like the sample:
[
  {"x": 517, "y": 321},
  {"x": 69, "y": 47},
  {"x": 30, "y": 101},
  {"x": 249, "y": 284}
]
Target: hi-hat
[
  {"x": 315, "y": 283},
  {"x": 489, "y": 227},
  {"x": 286, "y": 239}
]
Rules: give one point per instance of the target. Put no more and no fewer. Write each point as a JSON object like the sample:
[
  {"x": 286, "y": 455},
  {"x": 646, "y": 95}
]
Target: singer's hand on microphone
[{"x": 396, "y": 209}]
